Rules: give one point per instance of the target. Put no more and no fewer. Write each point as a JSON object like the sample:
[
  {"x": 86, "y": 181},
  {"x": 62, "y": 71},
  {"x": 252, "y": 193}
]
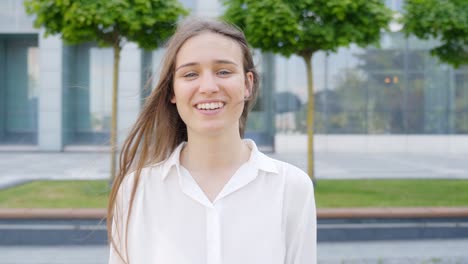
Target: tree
[
  {"x": 444, "y": 20},
  {"x": 109, "y": 23},
  {"x": 304, "y": 27}
]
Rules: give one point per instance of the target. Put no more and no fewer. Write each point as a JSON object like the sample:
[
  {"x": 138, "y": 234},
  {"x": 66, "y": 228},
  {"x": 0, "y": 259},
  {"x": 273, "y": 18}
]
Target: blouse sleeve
[
  {"x": 119, "y": 222},
  {"x": 114, "y": 257},
  {"x": 301, "y": 221}
]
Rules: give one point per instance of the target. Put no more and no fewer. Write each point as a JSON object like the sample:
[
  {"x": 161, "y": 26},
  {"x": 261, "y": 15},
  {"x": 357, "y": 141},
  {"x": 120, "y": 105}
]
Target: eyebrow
[{"x": 216, "y": 62}]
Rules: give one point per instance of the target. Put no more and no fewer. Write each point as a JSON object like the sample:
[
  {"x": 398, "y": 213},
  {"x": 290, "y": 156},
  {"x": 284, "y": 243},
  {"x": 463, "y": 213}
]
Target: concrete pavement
[
  {"x": 394, "y": 252},
  {"x": 381, "y": 252},
  {"x": 18, "y": 167}
]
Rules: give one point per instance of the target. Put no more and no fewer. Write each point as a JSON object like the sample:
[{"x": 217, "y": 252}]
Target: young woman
[{"x": 190, "y": 190}]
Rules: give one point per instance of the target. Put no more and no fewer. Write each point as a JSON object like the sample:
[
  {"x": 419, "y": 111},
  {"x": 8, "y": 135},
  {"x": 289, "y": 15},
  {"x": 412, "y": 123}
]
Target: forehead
[{"x": 208, "y": 47}]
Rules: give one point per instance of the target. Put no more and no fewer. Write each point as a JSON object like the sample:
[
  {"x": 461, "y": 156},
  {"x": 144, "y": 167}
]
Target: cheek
[
  {"x": 237, "y": 86},
  {"x": 180, "y": 92}
]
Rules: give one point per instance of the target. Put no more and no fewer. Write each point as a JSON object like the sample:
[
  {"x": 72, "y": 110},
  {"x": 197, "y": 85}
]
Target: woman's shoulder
[
  {"x": 138, "y": 184},
  {"x": 295, "y": 179},
  {"x": 148, "y": 173},
  {"x": 298, "y": 189}
]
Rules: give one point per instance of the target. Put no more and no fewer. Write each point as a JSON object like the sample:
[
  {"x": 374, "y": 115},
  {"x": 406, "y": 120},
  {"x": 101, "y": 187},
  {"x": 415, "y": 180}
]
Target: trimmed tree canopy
[
  {"x": 146, "y": 22},
  {"x": 306, "y": 26},
  {"x": 444, "y": 20}
]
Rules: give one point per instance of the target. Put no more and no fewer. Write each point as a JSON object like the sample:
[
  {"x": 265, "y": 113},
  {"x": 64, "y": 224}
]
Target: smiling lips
[{"x": 210, "y": 106}]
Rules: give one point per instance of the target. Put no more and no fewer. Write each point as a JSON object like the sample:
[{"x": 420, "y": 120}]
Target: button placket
[{"x": 213, "y": 236}]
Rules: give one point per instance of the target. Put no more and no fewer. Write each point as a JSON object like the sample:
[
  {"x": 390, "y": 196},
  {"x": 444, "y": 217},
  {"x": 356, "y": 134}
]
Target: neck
[{"x": 209, "y": 153}]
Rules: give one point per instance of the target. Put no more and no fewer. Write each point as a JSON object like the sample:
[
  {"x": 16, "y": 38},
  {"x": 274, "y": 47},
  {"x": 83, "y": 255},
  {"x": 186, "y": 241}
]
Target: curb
[
  {"x": 72, "y": 226},
  {"x": 408, "y": 212}
]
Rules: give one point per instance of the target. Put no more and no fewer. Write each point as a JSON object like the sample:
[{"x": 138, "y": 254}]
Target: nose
[{"x": 208, "y": 83}]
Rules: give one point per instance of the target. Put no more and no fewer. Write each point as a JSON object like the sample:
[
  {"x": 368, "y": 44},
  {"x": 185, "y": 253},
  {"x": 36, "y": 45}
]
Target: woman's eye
[
  {"x": 190, "y": 75},
  {"x": 224, "y": 72}
]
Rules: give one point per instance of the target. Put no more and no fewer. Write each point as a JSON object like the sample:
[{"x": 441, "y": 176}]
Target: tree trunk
[
  {"x": 310, "y": 115},
  {"x": 115, "y": 81}
]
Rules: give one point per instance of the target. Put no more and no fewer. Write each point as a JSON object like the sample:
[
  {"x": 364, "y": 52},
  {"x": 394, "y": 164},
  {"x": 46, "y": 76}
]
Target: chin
[{"x": 212, "y": 129}]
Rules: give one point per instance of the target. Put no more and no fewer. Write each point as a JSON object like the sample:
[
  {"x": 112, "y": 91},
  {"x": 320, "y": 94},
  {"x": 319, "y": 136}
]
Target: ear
[
  {"x": 173, "y": 100},
  {"x": 249, "y": 80}
]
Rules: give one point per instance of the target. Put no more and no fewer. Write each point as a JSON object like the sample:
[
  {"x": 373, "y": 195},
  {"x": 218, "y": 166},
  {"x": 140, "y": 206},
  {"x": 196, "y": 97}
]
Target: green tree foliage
[
  {"x": 444, "y": 20},
  {"x": 109, "y": 23},
  {"x": 303, "y": 27}
]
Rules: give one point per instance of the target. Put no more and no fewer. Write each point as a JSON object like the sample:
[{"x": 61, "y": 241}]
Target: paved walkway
[
  {"x": 383, "y": 252},
  {"x": 17, "y": 167}
]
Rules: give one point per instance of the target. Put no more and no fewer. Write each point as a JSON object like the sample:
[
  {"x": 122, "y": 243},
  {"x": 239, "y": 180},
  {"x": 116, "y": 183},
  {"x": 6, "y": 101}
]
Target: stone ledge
[
  {"x": 322, "y": 213},
  {"x": 45, "y": 213}
]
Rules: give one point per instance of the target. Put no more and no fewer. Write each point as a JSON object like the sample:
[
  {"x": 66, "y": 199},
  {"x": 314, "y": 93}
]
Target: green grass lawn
[
  {"x": 328, "y": 193},
  {"x": 56, "y": 194},
  {"x": 391, "y": 193}
]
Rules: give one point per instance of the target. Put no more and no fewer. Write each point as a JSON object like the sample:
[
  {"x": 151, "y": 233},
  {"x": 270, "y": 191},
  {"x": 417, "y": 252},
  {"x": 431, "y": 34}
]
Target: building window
[
  {"x": 19, "y": 73},
  {"x": 461, "y": 102},
  {"x": 87, "y": 82}
]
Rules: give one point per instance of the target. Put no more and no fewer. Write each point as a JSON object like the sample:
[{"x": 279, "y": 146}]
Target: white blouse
[{"x": 265, "y": 214}]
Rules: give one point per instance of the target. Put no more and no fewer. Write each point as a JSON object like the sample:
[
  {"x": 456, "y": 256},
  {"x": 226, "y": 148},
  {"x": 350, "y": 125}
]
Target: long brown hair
[{"x": 159, "y": 128}]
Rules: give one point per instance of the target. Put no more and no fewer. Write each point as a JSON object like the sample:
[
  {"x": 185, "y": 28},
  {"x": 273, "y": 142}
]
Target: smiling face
[{"x": 210, "y": 84}]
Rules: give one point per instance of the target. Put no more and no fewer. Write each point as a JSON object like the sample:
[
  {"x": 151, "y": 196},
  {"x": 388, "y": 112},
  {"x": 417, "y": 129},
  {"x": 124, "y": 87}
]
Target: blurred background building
[{"x": 56, "y": 97}]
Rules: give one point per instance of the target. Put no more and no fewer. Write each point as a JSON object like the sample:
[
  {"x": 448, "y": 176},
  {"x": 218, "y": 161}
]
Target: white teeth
[{"x": 210, "y": 106}]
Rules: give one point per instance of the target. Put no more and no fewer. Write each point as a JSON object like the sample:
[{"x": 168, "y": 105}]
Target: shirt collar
[
  {"x": 172, "y": 161},
  {"x": 260, "y": 160},
  {"x": 257, "y": 159}
]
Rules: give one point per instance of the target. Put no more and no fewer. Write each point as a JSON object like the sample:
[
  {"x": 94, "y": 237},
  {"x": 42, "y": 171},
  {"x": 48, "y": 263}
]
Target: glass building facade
[
  {"x": 398, "y": 88},
  {"x": 53, "y": 95}
]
